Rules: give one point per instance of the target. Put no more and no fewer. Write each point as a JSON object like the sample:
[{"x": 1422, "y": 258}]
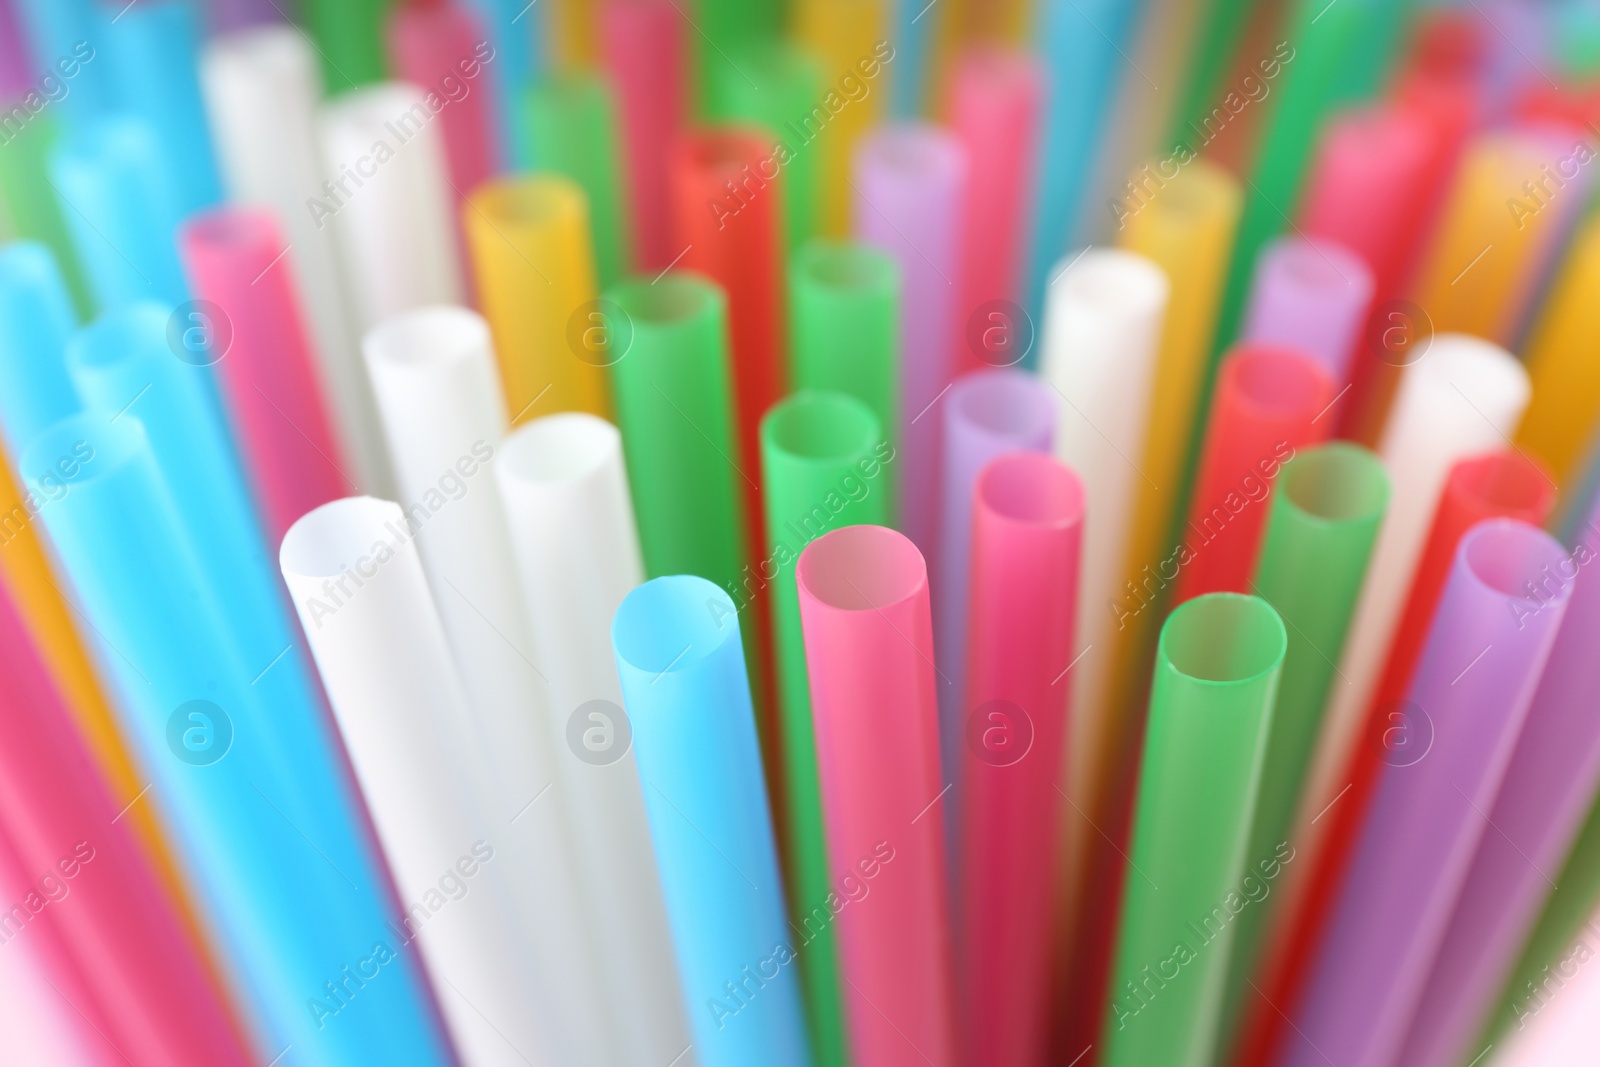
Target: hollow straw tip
[
  {"x": 276, "y": 50},
  {"x": 1318, "y": 266},
  {"x": 325, "y": 541},
  {"x": 1460, "y": 366},
  {"x": 820, "y": 427},
  {"x": 1223, "y": 639},
  {"x": 1513, "y": 559},
  {"x": 232, "y": 232},
  {"x": 123, "y": 338},
  {"x": 912, "y": 153},
  {"x": 861, "y": 568},
  {"x": 1113, "y": 282},
  {"x": 1273, "y": 381},
  {"x": 1031, "y": 489},
  {"x": 674, "y": 300},
  {"x": 847, "y": 268},
  {"x": 559, "y": 449},
  {"x": 77, "y": 451},
  {"x": 1004, "y": 403},
  {"x": 430, "y": 340},
  {"x": 528, "y": 205},
  {"x": 1334, "y": 484},
  {"x": 673, "y": 624}
]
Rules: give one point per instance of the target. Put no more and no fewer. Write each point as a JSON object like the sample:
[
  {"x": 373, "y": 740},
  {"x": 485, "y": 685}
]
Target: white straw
[
  {"x": 571, "y": 522},
  {"x": 352, "y": 569},
  {"x": 261, "y": 89},
  {"x": 388, "y": 200},
  {"x": 1102, "y": 326},
  {"x": 439, "y": 399}
]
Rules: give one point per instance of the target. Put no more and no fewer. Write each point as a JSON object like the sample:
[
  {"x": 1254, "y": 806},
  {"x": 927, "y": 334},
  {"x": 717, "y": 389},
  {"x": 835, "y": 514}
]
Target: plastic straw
[
  {"x": 529, "y": 239},
  {"x": 1028, "y": 522},
  {"x": 1102, "y": 327},
  {"x": 997, "y": 97},
  {"x": 573, "y": 131},
  {"x": 825, "y": 463},
  {"x": 851, "y": 39},
  {"x": 348, "y": 37},
  {"x": 844, "y": 327},
  {"x": 1447, "y": 747},
  {"x": 229, "y": 15},
  {"x": 1216, "y": 677},
  {"x": 40, "y": 1026},
  {"x": 36, "y": 318},
  {"x": 1312, "y": 296},
  {"x": 518, "y": 36},
  {"x": 724, "y": 28},
  {"x": 238, "y": 260},
  {"x": 988, "y": 412},
  {"x": 262, "y": 86},
  {"x": 443, "y": 49},
  {"x": 33, "y": 209},
  {"x": 688, "y": 703},
  {"x": 577, "y": 554},
  {"x": 64, "y": 30},
  {"x": 1081, "y": 41},
  {"x": 1321, "y": 526},
  {"x": 122, "y": 211},
  {"x": 151, "y": 52},
  {"x": 1269, "y": 402},
  {"x": 1560, "y": 1033},
  {"x": 910, "y": 183},
  {"x": 353, "y": 571},
  {"x": 122, "y": 931},
  {"x": 256, "y": 810},
  {"x": 433, "y": 373},
  {"x": 642, "y": 45},
  {"x": 869, "y": 652},
  {"x": 1565, "y": 409},
  {"x": 388, "y": 200},
  {"x": 774, "y": 85},
  {"x": 734, "y": 237},
  {"x": 1539, "y": 809}
]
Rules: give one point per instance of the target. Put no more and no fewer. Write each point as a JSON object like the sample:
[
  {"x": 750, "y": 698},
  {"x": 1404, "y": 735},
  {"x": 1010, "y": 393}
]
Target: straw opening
[
  {"x": 668, "y": 625},
  {"x": 673, "y": 299},
  {"x": 529, "y": 201},
  {"x": 1337, "y": 483},
  {"x": 818, "y": 425},
  {"x": 1509, "y": 555},
  {"x": 327, "y": 541},
  {"x": 117, "y": 337},
  {"x": 427, "y": 336},
  {"x": 1279, "y": 380},
  {"x": 847, "y": 266},
  {"x": 861, "y": 568},
  {"x": 1224, "y": 638},
  {"x": 559, "y": 448},
  {"x": 1003, "y": 402},
  {"x": 1505, "y": 482},
  {"x": 1120, "y": 282},
  {"x": 1031, "y": 488}
]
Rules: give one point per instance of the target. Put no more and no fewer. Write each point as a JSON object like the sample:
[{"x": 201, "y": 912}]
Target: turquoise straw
[
  {"x": 36, "y": 318},
  {"x": 267, "y": 832},
  {"x": 915, "y": 23},
  {"x": 516, "y": 30}
]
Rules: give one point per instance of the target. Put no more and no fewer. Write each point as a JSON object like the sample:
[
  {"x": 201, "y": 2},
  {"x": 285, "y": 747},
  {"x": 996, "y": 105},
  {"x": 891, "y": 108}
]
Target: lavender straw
[
  {"x": 910, "y": 182},
  {"x": 1447, "y": 748},
  {"x": 1310, "y": 295}
]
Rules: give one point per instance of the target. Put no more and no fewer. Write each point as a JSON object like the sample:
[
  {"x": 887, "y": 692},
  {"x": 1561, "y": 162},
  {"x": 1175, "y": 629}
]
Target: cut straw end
[
  {"x": 861, "y": 568},
  {"x": 1224, "y": 638},
  {"x": 671, "y": 625}
]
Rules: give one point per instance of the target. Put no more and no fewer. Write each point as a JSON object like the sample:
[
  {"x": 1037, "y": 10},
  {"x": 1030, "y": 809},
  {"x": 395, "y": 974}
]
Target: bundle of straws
[{"x": 854, "y": 533}]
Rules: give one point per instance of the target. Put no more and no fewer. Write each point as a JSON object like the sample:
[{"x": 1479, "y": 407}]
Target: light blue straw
[
  {"x": 36, "y": 318},
  {"x": 69, "y": 31},
  {"x": 517, "y": 31}
]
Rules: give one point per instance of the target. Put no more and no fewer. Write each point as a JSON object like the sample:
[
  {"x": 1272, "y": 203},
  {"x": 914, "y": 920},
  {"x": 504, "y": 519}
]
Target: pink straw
[
  {"x": 642, "y": 48},
  {"x": 995, "y": 104},
  {"x": 1026, "y": 536},
  {"x": 238, "y": 260},
  {"x": 442, "y": 49},
  {"x": 869, "y": 646},
  {"x": 137, "y": 974}
]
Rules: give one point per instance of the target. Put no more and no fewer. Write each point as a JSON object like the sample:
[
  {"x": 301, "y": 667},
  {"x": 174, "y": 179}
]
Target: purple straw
[
  {"x": 910, "y": 183},
  {"x": 986, "y": 414},
  {"x": 16, "y": 74},
  {"x": 1313, "y": 296},
  {"x": 1447, "y": 746},
  {"x": 1542, "y": 803},
  {"x": 226, "y": 15}
]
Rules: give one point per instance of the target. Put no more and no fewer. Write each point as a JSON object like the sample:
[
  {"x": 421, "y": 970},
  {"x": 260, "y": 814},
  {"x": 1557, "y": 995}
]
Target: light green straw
[
  {"x": 821, "y": 471},
  {"x": 1325, "y": 514},
  {"x": 844, "y": 325},
  {"x": 31, "y": 203},
  {"x": 572, "y": 127},
  {"x": 349, "y": 38},
  {"x": 1216, "y": 678}
]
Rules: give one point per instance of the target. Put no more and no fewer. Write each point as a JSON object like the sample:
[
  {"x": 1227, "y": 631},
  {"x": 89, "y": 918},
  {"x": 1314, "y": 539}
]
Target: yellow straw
[
  {"x": 1561, "y": 361},
  {"x": 842, "y": 33},
  {"x": 529, "y": 242}
]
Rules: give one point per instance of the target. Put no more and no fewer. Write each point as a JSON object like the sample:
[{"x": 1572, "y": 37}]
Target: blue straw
[
  {"x": 914, "y": 24},
  {"x": 36, "y": 318},
  {"x": 684, "y": 686},
  {"x": 296, "y": 915},
  {"x": 69, "y": 32},
  {"x": 1082, "y": 42},
  {"x": 517, "y": 31},
  {"x": 153, "y": 51},
  {"x": 122, "y": 210}
]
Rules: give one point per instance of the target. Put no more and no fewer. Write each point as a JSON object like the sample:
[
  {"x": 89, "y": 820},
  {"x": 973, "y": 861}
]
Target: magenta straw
[
  {"x": 442, "y": 49},
  {"x": 986, "y": 413},
  {"x": 910, "y": 184},
  {"x": 1447, "y": 747},
  {"x": 16, "y": 74},
  {"x": 1313, "y": 296},
  {"x": 1542, "y": 802}
]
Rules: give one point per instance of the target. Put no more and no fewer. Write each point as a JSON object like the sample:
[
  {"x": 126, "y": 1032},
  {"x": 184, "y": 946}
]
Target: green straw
[
  {"x": 1216, "y": 677},
  {"x": 349, "y": 37},
  {"x": 29, "y": 199},
  {"x": 1554, "y": 936},
  {"x": 722, "y": 28},
  {"x": 1223, "y": 25},
  {"x": 1324, "y": 517},
  {"x": 572, "y": 127},
  {"x": 775, "y": 85},
  {"x": 844, "y": 325},
  {"x": 818, "y": 453}
]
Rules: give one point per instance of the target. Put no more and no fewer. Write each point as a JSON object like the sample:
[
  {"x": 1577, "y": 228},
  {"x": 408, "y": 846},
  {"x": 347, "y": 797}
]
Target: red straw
[
  {"x": 442, "y": 49},
  {"x": 996, "y": 99},
  {"x": 1027, "y": 531},
  {"x": 238, "y": 260},
  {"x": 1269, "y": 402},
  {"x": 641, "y": 43},
  {"x": 142, "y": 981},
  {"x": 869, "y": 651}
]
